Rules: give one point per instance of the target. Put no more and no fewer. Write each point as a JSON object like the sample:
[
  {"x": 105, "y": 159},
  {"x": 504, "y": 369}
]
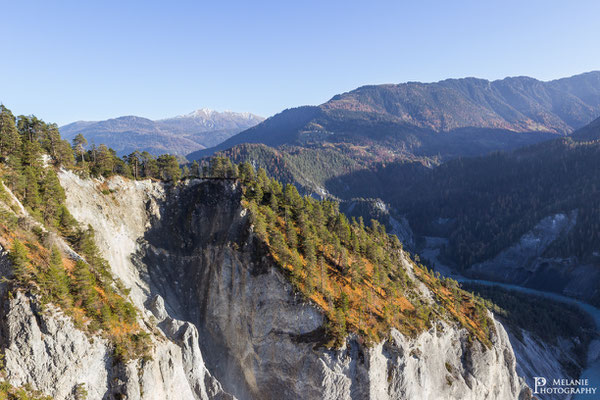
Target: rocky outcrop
[
  {"x": 535, "y": 356},
  {"x": 44, "y": 349},
  {"x": 525, "y": 264},
  {"x": 48, "y": 352},
  {"x": 190, "y": 255},
  {"x": 538, "y": 358}
]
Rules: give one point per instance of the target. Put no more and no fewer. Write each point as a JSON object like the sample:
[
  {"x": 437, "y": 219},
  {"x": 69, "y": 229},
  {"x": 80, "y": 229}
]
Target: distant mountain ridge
[
  {"x": 178, "y": 135},
  {"x": 527, "y": 217},
  {"x": 589, "y": 132},
  {"x": 468, "y": 116},
  {"x": 519, "y": 104}
]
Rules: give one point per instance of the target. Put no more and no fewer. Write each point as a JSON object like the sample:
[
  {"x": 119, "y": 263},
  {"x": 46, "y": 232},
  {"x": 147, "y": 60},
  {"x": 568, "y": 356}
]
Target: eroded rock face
[
  {"x": 538, "y": 358},
  {"x": 524, "y": 262},
  {"x": 50, "y": 353},
  {"x": 44, "y": 349},
  {"x": 233, "y": 324}
]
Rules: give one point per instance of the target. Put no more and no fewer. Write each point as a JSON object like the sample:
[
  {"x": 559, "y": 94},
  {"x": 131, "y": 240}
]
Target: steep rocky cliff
[
  {"x": 44, "y": 349},
  {"x": 223, "y": 312},
  {"x": 525, "y": 262}
]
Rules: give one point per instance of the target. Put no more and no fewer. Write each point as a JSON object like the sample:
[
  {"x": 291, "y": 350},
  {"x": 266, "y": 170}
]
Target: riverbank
[{"x": 534, "y": 357}]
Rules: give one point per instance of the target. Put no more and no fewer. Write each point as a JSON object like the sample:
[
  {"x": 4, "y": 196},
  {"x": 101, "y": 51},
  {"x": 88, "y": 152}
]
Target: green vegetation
[
  {"x": 492, "y": 201},
  {"x": 81, "y": 392},
  {"x": 545, "y": 318},
  {"x": 319, "y": 166},
  {"x": 517, "y": 309},
  {"x": 103, "y": 161},
  {"x": 308, "y": 167},
  {"x": 9, "y": 392},
  {"x": 84, "y": 288},
  {"x": 355, "y": 273},
  {"x": 485, "y": 204}
]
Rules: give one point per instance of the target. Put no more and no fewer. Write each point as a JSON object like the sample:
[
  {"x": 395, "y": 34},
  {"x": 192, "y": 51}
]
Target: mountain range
[
  {"x": 486, "y": 167},
  {"x": 151, "y": 295},
  {"x": 471, "y": 115},
  {"x": 431, "y": 122},
  {"x": 178, "y": 135},
  {"x": 528, "y": 217}
]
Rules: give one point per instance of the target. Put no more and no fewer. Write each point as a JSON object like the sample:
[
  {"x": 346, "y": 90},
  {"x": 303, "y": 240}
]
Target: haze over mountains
[
  {"x": 448, "y": 118},
  {"x": 528, "y": 217},
  {"x": 392, "y": 153},
  {"x": 430, "y": 153},
  {"x": 179, "y": 135}
]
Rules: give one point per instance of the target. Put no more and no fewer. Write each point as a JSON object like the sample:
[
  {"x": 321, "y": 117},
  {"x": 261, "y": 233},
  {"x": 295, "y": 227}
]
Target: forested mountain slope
[
  {"x": 432, "y": 122},
  {"x": 406, "y": 115},
  {"x": 485, "y": 205},
  {"x": 123, "y": 287}
]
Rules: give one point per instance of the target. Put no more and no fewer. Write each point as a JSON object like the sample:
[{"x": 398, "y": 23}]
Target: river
[{"x": 592, "y": 370}]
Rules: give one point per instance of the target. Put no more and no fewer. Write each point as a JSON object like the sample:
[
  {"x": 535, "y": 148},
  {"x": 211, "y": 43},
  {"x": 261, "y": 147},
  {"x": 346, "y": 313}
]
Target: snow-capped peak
[
  {"x": 208, "y": 113},
  {"x": 202, "y": 113}
]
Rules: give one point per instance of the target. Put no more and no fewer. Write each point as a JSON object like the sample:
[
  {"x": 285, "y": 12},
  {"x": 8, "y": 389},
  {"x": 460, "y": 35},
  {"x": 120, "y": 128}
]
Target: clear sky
[{"x": 89, "y": 60}]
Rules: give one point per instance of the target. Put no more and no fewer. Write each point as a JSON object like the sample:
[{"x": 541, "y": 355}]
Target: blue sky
[{"x": 88, "y": 60}]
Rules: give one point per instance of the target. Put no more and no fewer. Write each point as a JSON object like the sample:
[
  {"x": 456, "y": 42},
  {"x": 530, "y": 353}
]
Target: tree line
[
  {"x": 30, "y": 150},
  {"x": 354, "y": 271}
]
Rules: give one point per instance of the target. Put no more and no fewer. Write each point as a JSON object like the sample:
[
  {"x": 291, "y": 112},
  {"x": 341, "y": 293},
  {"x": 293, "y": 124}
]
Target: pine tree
[
  {"x": 52, "y": 197},
  {"x": 246, "y": 172},
  {"x": 292, "y": 197},
  {"x": 51, "y": 140},
  {"x": 322, "y": 272},
  {"x": 64, "y": 154},
  {"x": 19, "y": 258},
  {"x": 169, "y": 167},
  {"x": 290, "y": 232},
  {"x": 280, "y": 247},
  {"x": 31, "y": 197},
  {"x": 149, "y": 165},
  {"x": 83, "y": 286},
  {"x": 10, "y": 140},
  {"x": 67, "y": 224},
  {"x": 31, "y": 154},
  {"x": 134, "y": 161},
  {"x": 79, "y": 143},
  {"x": 308, "y": 247},
  {"x": 195, "y": 169},
  {"x": 56, "y": 276},
  {"x": 104, "y": 163},
  {"x": 357, "y": 271}
]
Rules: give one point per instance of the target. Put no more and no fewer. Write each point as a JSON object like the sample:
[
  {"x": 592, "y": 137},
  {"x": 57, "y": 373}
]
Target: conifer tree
[
  {"x": 20, "y": 260},
  {"x": 10, "y": 140},
  {"x": 169, "y": 167},
  {"x": 56, "y": 276},
  {"x": 83, "y": 285},
  {"x": 195, "y": 169},
  {"x": 104, "y": 163},
  {"x": 149, "y": 165},
  {"x": 31, "y": 197},
  {"x": 64, "y": 154},
  {"x": 52, "y": 197},
  {"x": 134, "y": 161},
  {"x": 79, "y": 143}
]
